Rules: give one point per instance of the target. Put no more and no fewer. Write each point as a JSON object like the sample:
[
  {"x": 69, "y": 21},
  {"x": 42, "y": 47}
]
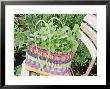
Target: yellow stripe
[
  {"x": 38, "y": 71},
  {"x": 34, "y": 59}
]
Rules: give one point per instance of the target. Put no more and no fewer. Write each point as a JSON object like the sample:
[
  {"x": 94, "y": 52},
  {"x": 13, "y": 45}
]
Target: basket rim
[{"x": 51, "y": 53}]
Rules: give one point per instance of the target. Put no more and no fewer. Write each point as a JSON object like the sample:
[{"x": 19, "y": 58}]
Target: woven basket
[{"x": 47, "y": 63}]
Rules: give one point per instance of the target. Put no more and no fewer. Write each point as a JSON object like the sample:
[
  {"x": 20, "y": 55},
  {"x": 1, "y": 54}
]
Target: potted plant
[{"x": 52, "y": 47}]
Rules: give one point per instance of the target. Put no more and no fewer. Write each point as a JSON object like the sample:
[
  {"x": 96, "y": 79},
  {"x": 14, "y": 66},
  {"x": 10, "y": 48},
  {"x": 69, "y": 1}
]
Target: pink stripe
[{"x": 55, "y": 72}]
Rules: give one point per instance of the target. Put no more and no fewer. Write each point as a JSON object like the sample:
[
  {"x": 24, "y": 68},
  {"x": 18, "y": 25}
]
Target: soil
[
  {"x": 19, "y": 59},
  {"x": 80, "y": 70}
]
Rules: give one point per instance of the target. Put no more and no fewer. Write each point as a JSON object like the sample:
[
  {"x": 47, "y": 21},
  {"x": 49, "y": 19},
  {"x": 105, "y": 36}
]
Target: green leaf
[
  {"x": 20, "y": 38},
  {"x": 76, "y": 28},
  {"x": 43, "y": 37},
  {"x": 66, "y": 28},
  {"x": 50, "y": 35},
  {"x": 78, "y": 35},
  {"x": 31, "y": 35},
  {"x": 17, "y": 70},
  {"x": 64, "y": 36},
  {"x": 69, "y": 33},
  {"x": 32, "y": 39},
  {"x": 57, "y": 44},
  {"x": 52, "y": 48},
  {"x": 27, "y": 33},
  {"x": 20, "y": 45},
  {"x": 16, "y": 44}
]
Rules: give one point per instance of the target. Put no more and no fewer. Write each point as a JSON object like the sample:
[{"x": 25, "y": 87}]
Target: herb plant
[{"x": 55, "y": 38}]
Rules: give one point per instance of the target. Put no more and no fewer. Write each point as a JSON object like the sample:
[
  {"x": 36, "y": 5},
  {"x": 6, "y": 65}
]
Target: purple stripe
[
  {"x": 55, "y": 72},
  {"x": 49, "y": 60}
]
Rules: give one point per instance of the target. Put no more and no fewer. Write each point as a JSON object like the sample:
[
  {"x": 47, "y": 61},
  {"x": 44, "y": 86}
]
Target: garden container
[{"x": 48, "y": 63}]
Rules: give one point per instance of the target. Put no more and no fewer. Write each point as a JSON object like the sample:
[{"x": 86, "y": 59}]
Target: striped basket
[{"x": 45, "y": 62}]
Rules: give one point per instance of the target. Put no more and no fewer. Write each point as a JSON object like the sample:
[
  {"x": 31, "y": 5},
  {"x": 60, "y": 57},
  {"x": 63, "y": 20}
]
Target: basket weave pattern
[{"x": 52, "y": 63}]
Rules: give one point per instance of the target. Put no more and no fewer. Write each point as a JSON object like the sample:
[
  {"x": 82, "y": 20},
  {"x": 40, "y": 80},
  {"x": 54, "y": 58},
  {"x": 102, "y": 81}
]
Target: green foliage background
[{"x": 25, "y": 23}]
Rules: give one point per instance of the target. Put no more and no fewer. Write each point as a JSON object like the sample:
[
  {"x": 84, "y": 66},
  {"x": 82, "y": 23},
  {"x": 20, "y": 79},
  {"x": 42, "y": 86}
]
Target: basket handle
[
  {"x": 56, "y": 19},
  {"x": 46, "y": 24}
]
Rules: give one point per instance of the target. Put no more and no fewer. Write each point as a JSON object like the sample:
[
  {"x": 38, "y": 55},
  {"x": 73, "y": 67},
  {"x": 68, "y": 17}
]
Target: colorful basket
[{"x": 47, "y": 63}]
